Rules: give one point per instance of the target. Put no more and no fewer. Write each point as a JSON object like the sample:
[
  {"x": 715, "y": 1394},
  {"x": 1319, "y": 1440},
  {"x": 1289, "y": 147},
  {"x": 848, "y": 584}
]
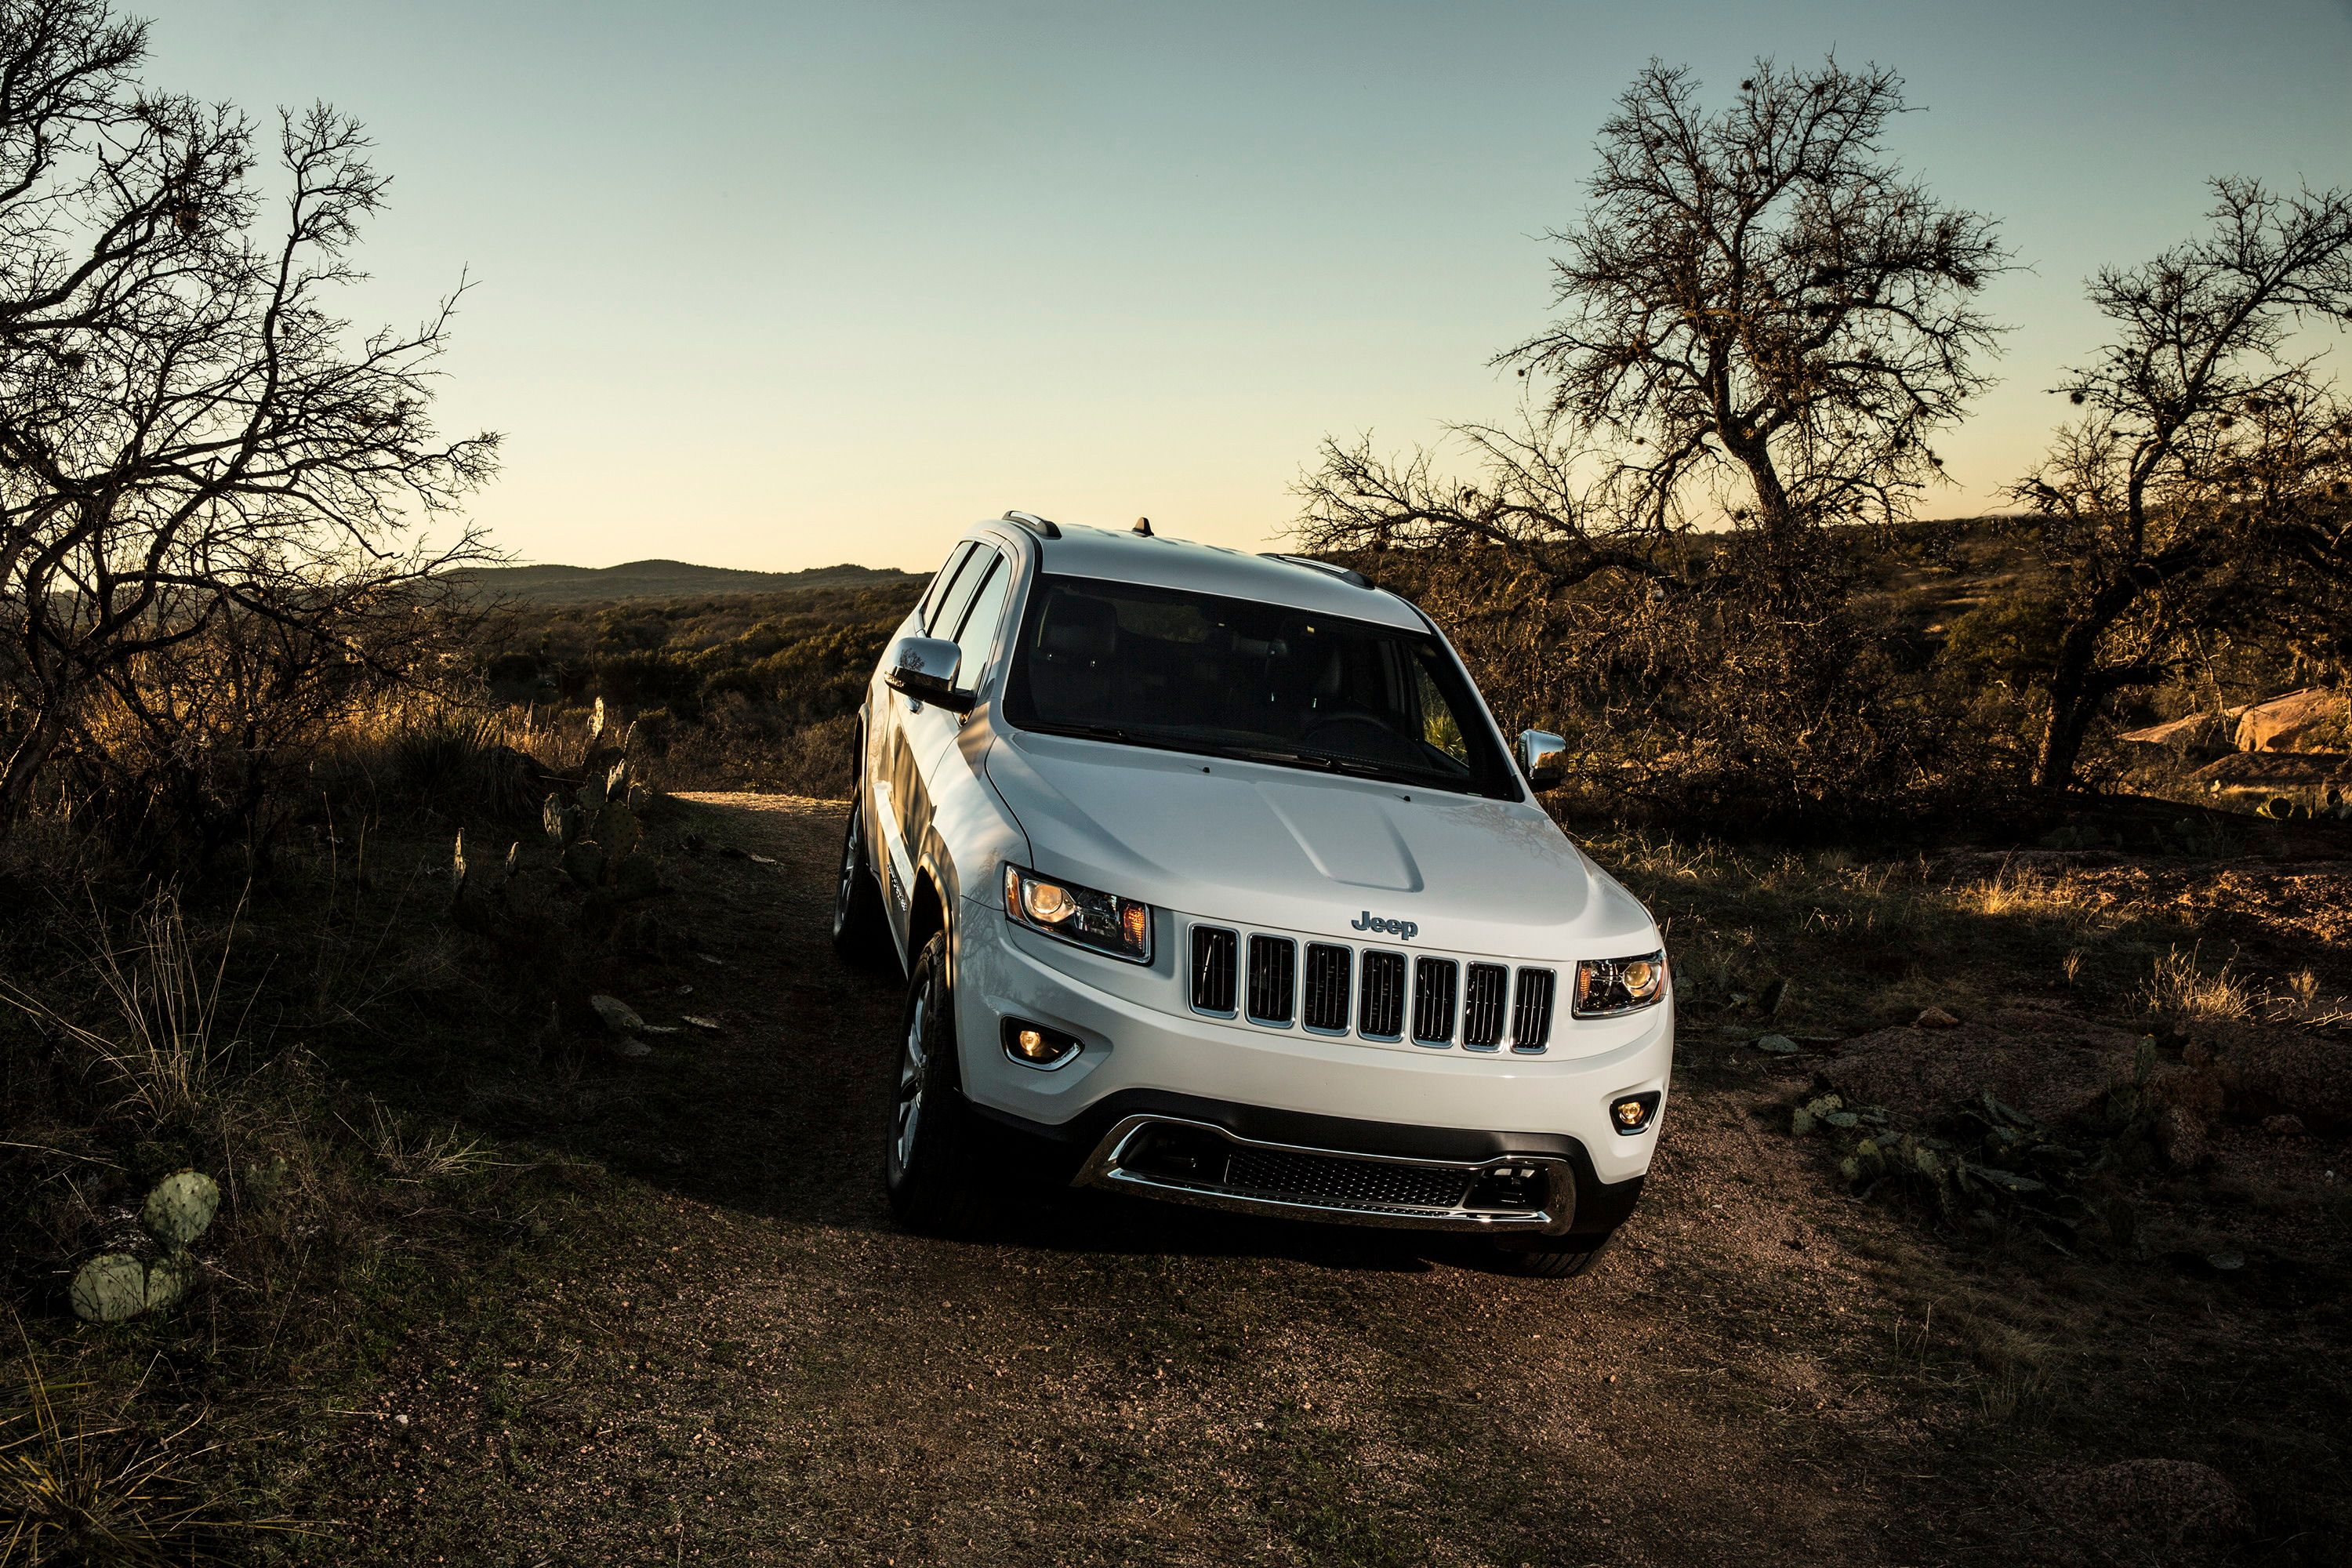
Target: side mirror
[
  {"x": 1543, "y": 757},
  {"x": 924, "y": 669}
]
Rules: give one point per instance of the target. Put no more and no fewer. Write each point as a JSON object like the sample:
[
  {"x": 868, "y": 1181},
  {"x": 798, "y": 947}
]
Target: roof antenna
[{"x": 1143, "y": 526}]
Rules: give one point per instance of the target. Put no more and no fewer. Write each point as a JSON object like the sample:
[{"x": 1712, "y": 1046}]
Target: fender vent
[
  {"x": 1531, "y": 1012},
  {"x": 1380, "y": 1016},
  {"x": 1213, "y": 969},
  {"x": 1484, "y": 999},
  {"x": 1435, "y": 982},
  {"x": 1273, "y": 976}
]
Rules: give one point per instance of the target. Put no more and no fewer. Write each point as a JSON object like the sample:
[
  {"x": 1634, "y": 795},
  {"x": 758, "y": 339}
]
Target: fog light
[
  {"x": 1037, "y": 1045},
  {"x": 1632, "y": 1113}
]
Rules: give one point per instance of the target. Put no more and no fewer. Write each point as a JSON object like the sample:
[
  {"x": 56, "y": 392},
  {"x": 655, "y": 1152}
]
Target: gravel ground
[{"x": 747, "y": 1362}]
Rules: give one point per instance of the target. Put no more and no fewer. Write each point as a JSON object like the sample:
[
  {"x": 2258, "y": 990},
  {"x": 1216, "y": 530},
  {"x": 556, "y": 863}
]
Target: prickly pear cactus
[
  {"x": 616, "y": 827},
  {"x": 181, "y": 1208},
  {"x": 110, "y": 1288},
  {"x": 584, "y": 863}
]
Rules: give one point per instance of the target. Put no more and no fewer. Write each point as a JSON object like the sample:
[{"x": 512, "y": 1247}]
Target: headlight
[
  {"x": 1606, "y": 986},
  {"x": 1102, "y": 922}
]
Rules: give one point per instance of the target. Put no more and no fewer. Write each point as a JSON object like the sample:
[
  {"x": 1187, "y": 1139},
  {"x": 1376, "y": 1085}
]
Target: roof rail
[
  {"x": 1034, "y": 523},
  {"x": 1331, "y": 569}
]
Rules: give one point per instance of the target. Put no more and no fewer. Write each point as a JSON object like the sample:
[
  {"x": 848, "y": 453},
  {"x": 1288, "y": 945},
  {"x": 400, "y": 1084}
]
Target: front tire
[
  {"x": 860, "y": 925},
  {"x": 927, "y": 1163}
]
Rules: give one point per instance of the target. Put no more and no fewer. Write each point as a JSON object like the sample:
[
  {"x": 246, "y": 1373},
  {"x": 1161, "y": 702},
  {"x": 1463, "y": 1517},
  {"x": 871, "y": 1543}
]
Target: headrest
[{"x": 1076, "y": 626}]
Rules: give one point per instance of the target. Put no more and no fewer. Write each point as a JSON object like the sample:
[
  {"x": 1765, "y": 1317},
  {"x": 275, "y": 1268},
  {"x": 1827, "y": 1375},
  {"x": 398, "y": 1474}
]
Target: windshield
[{"x": 1268, "y": 683}]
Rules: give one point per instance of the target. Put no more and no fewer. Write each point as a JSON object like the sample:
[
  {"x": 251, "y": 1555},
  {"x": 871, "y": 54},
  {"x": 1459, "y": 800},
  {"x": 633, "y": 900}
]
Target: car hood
[{"x": 1268, "y": 846}]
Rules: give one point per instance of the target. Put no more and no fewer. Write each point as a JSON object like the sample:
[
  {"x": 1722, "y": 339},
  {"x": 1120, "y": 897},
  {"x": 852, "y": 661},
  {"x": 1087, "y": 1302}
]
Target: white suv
[{"x": 1215, "y": 870}]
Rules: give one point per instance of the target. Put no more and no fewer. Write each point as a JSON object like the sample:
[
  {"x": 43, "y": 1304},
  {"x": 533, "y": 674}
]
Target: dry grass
[
  {"x": 163, "y": 1049},
  {"x": 2183, "y": 987},
  {"x": 76, "y": 1490}
]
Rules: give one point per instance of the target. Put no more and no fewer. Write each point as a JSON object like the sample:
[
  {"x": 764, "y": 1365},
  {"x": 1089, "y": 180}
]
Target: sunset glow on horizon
[{"x": 776, "y": 287}]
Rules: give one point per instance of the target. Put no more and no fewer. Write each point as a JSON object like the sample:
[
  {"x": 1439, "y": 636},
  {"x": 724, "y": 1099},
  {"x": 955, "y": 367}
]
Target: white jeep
[{"x": 1215, "y": 870}]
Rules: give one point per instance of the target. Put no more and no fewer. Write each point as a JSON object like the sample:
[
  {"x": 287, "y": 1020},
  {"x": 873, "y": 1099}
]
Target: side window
[
  {"x": 944, "y": 583},
  {"x": 1438, "y": 726},
  {"x": 978, "y": 633},
  {"x": 959, "y": 596}
]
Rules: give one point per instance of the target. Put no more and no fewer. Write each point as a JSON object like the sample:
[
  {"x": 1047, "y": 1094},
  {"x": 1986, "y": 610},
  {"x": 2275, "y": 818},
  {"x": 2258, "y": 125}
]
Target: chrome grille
[
  {"x": 1326, "y": 1004},
  {"x": 1273, "y": 974},
  {"x": 1484, "y": 996},
  {"x": 1214, "y": 950},
  {"x": 1380, "y": 1016},
  {"x": 1434, "y": 981},
  {"x": 1333, "y": 986},
  {"x": 1531, "y": 1010}
]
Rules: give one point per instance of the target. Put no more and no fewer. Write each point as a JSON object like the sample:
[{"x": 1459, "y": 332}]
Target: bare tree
[
  {"x": 2211, "y": 469},
  {"x": 1761, "y": 295},
  {"x": 188, "y": 435},
  {"x": 1534, "y": 495}
]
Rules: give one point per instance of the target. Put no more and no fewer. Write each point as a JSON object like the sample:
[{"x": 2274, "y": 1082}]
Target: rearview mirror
[
  {"x": 925, "y": 669},
  {"x": 1543, "y": 757}
]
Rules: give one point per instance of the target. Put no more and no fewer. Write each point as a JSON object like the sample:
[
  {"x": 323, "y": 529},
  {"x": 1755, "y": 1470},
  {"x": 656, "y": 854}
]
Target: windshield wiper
[
  {"x": 1275, "y": 754},
  {"x": 1086, "y": 732}
]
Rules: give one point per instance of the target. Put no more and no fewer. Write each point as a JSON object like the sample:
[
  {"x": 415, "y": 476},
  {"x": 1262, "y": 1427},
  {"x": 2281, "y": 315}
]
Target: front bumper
[{"x": 1145, "y": 1053}]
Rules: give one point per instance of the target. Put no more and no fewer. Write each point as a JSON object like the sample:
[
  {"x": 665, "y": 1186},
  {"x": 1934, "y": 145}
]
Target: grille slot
[
  {"x": 1380, "y": 1016},
  {"x": 1326, "y": 1004},
  {"x": 1435, "y": 982},
  {"x": 1531, "y": 1010},
  {"x": 1213, "y": 953},
  {"x": 1344, "y": 1183},
  {"x": 1485, "y": 996},
  {"x": 1273, "y": 975}
]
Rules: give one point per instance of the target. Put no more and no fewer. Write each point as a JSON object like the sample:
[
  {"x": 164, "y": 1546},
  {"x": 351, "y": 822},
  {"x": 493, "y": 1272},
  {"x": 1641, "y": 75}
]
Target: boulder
[
  {"x": 2175, "y": 1508},
  {"x": 2267, "y": 1072},
  {"x": 2054, "y": 1067}
]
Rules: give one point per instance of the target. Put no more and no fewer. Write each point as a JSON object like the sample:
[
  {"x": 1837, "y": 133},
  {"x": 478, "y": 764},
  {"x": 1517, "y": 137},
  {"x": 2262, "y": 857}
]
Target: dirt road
[{"x": 747, "y": 1362}]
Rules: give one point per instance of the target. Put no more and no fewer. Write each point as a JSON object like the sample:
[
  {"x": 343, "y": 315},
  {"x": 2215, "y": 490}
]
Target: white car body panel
[{"x": 1256, "y": 848}]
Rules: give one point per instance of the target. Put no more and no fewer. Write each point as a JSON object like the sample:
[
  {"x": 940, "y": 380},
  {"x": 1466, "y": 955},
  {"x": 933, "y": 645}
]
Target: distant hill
[{"x": 662, "y": 580}]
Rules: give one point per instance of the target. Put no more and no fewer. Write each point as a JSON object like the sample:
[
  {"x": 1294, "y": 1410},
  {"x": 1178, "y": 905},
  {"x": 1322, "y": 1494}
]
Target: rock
[
  {"x": 762, "y": 860},
  {"x": 1935, "y": 1019},
  {"x": 1777, "y": 1045},
  {"x": 2051, "y": 1067},
  {"x": 701, "y": 1023},
  {"x": 628, "y": 1048},
  {"x": 2283, "y": 1072},
  {"x": 619, "y": 1016},
  {"x": 2181, "y": 1134},
  {"x": 181, "y": 1208},
  {"x": 2163, "y": 1510},
  {"x": 110, "y": 1288},
  {"x": 2228, "y": 1260},
  {"x": 2283, "y": 1126}
]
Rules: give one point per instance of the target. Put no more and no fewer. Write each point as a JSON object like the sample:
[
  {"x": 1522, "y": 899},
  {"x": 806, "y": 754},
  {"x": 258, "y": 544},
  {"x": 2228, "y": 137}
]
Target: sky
[{"x": 780, "y": 285}]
